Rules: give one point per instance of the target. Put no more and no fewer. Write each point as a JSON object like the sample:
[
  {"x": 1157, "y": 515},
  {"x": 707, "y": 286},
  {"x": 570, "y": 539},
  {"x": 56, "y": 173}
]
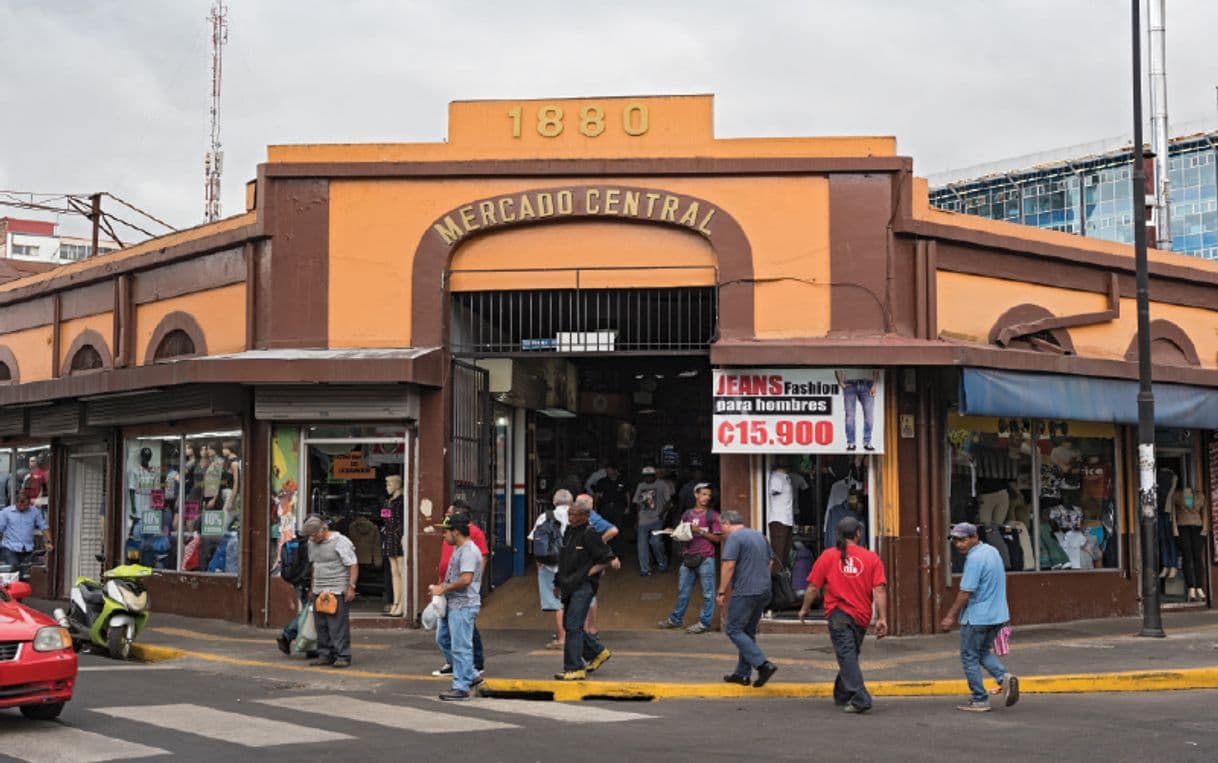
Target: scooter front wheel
[{"x": 117, "y": 642}]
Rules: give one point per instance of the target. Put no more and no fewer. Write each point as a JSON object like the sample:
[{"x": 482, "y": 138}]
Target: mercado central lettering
[{"x": 591, "y": 201}]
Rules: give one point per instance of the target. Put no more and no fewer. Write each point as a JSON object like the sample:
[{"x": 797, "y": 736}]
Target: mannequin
[
  {"x": 391, "y": 539},
  {"x": 1188, "y": 518},
  {"x": 1168, "y": 553}
]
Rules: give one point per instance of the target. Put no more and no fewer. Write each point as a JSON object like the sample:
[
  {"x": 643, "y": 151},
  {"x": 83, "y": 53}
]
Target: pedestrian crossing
[{"x": 260, "y": 724}]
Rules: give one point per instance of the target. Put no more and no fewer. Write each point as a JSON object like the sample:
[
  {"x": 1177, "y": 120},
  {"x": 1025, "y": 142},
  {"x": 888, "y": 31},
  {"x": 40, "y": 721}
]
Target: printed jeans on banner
[
  {"x": 858, "y": 391},
  {"x": 455, "y": 637},
  {"x": 847, "y": 639},
  {"x": 685, "y": 589},
  {"x": 655, "y": 543},
  {"x": 743, "y": 615},
  {"x": 976, "y": 651}
]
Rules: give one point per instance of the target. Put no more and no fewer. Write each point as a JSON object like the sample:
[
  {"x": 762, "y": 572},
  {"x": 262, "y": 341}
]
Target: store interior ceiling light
[
  {"x": 691, "y": 373},
  {"x": 556, "y": 413},
  {"x": 645, "y": 411}
]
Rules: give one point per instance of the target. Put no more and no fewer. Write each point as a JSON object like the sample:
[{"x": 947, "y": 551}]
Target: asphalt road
[{"x": 170, "y": 712}]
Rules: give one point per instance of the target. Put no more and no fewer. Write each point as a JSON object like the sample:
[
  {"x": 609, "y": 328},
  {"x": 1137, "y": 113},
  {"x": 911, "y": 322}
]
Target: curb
[{"x": 155, "y": 653}]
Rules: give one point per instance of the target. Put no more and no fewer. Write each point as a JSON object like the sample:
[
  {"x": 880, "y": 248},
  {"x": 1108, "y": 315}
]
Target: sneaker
[
  {"x": 764, "y": 672},
  {"x": 571, "y": 675},
  {"x": 454, "y": 695},
  {"x": 975, "y": 706},
  {"x": 445, "y": 670},
  {"x": 322, "y": 662},
  {"x": 284, "y": 645},
  {"x": 736, "y": 678},
  {"x": 669, "y": 625},
  {"x": 697, "y": 628},
  {"x": 1010, "y": 689},
  {"x": 311, "y": 654},
  {"x": 851, "y": 708},
  {"x": 478, "y": 681},
  {"x": 341, "y": 663},
  {"x": 599, "y": 660},
  {"x": 478, "y": 668}
]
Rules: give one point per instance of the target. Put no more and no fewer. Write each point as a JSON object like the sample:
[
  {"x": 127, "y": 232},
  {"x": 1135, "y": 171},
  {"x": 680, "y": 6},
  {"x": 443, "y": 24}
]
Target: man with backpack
[
  {"x": 546, "y": 539},
  {"x": 295, "y": 570},
  {"x": 697, "y": 563}
]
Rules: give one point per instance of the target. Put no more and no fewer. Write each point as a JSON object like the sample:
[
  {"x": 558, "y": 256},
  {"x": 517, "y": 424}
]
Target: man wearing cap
[
  {"x": 983, "y": 599},
  {"x": 460, "y": 508},
  {"x": 854, "y": 584},
  {"x": 651, "y": 499},
  {"x": 745, "y": 571},
  {"x": 335, "y": 570},
  {"x": 461, "y": 590},
  {"x": 584, "y": 556}
]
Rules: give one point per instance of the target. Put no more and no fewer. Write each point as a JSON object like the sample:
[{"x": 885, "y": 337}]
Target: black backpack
[
  {"x": 294, "y": 561},
  {"x": 547, "y": 539}
]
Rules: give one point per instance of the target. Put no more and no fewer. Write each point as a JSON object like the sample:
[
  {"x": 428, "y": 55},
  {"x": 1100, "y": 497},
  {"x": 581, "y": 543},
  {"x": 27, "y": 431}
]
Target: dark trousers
[
  {"x": 743, "y": 615},
  {"x": 580, "y": 646},
  {"x": 1192, "y": 555},
  {"x": 847, "y": 637},
  {"x": 334, "y": 632},
  {"x": 14, "y": 559},
  {"x": 780, "y": 541},
  {"x": 479, "y": 657}
]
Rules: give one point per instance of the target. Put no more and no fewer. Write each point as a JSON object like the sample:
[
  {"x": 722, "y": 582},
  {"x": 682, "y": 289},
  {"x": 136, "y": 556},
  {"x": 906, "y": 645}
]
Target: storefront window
[
  {"x": 1044, "y": 493},
  {"x": 183, "y": 501},
  {"x": 26, "y": 468}
]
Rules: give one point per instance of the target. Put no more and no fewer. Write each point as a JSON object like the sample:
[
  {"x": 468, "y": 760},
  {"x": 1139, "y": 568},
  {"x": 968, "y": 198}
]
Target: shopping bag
[
  {"x": 306, "y": 631},
  {"x": 436, "y": 611},
  {"x": 1002, "y": 642}
]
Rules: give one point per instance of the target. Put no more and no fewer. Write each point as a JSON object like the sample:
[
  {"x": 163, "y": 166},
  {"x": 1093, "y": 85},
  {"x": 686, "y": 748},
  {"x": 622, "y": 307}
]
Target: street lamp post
[{"x": 1152, "y": 618}]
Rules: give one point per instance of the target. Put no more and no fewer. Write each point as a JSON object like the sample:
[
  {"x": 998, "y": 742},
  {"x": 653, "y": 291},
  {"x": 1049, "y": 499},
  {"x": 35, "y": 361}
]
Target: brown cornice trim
[
  {"x": 902, "y": 351},
  {"x": 27, "y": 315},
  {"x": 427, "y": 370},
  {"x": 87, "y": 337},
  {"x": 9, "y": 359},
  {"x": 56, "y": 333},
  {"x": 251, "y": 283},
  {"x": 1165, "y": 330},
  {"x": 1025, "y": 319},
  {"x": 591, "y": 167},
  {"x": 1056, "y": 322},
  {"x": 107, "y": 267},
  {"x": 210, "y": 271},
  {"x": 1030, "y": 247},
  {"x": 85, "y": 301},
  {"x": 175, "y": 321}
]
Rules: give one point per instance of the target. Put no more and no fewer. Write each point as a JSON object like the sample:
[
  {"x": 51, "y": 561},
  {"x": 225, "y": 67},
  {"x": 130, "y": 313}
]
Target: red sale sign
[{"x": 798, "y": 410}]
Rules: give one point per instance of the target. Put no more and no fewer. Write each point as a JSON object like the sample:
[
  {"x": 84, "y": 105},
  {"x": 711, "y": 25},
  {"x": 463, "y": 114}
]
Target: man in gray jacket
[{"x": 335, "y": 570}]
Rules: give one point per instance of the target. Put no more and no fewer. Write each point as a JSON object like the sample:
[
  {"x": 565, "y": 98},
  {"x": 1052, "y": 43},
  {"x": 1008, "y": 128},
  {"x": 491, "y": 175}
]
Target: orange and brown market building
[{"x": 571, "y": 282}]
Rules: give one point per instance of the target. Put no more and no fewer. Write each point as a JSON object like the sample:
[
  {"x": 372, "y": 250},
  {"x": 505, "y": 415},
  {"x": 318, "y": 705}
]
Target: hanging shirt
[{"x": 783, "y": 486}]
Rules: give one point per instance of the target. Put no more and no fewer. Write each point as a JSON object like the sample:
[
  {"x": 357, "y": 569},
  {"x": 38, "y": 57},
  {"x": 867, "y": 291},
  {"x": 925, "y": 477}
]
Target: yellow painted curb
[{"x": 155, "y": 653}]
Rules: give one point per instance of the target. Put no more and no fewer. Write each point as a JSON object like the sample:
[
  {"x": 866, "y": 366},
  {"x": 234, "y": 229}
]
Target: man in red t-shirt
[
  {"x": 853, "y": 579},
  {"x": 460, "y": 508}
]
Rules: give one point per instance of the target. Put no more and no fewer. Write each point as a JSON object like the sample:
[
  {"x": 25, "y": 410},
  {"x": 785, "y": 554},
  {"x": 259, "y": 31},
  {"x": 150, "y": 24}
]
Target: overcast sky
[{"x": 110, "y": 95}]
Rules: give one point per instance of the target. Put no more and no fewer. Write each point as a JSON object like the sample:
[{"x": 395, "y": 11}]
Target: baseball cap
[
  {"x": 964, "y": 530},
  {"x": 848, "y": 526},
  {"x": 312, "y": 524},
  {"x": 649, "y": 470},
  {"x": 460, "y": 524}
]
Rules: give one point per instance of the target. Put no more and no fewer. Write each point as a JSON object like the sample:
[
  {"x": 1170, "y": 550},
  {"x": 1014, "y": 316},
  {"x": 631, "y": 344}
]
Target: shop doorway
[
  {"x": 1175, "y": 472},
  {"x": 86, "y": 512}
]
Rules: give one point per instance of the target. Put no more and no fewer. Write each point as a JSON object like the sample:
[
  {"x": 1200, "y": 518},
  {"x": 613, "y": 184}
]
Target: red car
[{"x": 37, "y": 663}]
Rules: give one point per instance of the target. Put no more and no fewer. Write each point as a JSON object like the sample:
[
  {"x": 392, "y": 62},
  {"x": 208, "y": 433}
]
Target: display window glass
[
  {"x": 182, "y": 499},
  {"x": 26, "y": 468},
  {"x": 1044, "y": 493}
]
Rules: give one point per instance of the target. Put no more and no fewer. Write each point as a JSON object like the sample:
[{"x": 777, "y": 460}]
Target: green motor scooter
[{"x": 109, "y": 614}]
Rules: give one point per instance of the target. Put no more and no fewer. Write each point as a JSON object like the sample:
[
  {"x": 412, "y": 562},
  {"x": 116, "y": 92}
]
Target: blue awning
[{"x": 985, "y": 392}]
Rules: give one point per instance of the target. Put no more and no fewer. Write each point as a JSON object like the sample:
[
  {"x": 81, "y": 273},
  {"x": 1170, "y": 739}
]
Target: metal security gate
[
  {"x": 87, "y": 510},
  {"x": 473, "y": 447}
]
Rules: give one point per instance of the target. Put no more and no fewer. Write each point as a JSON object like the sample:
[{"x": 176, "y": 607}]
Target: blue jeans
[
  {"x": 579, "y": 646},
  {"x": 455, "y": 637},
  {"x": 976, "y": 645},
  {"x": 14, "y": 559},
  {"x": 291, "y": 631},
  {"x": 743, "y": 615},
  {"x": 860, "y": 392},
  {"x": 685, "y": 589},
  {"x": 847, "y": 639},
  {"x": 1169, "y": 555},
  {"x": 654, "y": 543}
]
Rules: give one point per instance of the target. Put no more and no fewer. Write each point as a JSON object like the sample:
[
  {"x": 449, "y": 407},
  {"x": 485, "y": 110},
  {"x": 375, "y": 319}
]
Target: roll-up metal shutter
[
  {"x": 184, "y": 403},
  {"x": 59, "y": 419},
  {"x": 12, "y": 421},
  {"x": 336, "y": 403}
]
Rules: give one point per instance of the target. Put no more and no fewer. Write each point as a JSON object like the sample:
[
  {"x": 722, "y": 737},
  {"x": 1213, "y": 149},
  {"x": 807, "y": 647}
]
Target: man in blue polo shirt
[
  {"x": 18, "y": 524},
  {"x": 983, "y": 597}
]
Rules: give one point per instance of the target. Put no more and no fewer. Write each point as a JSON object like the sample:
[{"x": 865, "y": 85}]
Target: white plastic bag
[
  {"x": 436, "y": 611},
  {"x": 683, "y": 532}
]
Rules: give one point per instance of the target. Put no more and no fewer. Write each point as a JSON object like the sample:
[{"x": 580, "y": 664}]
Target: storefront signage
[
  {"x": 549, "y": 120},
  {"x": 213, "y": 523},
  {"x": 150, "y": 522},
  {"x": 351, "y": 466},
  {"x": 577, "y": 201},
  {"x": 798, "y": 410}
]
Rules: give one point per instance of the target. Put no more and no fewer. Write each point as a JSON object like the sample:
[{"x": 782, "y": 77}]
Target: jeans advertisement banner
[{"x": 798, "y": 410}]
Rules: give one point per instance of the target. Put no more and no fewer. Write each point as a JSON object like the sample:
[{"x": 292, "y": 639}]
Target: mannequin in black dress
[{"x": 391, "y": 539}]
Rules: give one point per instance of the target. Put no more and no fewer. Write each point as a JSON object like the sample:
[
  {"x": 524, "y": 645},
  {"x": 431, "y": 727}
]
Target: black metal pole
[{"x": 1152, "y": 618}]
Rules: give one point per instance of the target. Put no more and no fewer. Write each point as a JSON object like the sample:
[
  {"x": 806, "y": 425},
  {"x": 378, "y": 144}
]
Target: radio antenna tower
[{"x": 213, "y": 163}]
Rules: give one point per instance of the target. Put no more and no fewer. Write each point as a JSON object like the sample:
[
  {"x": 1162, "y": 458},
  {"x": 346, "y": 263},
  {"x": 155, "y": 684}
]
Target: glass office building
[{"x": 1093, "y": 195}]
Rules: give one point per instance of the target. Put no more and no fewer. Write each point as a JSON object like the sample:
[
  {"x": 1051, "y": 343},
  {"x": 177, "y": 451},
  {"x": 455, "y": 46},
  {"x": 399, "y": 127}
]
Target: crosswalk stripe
[
  {"x": 555, "y": 711},
  {"x": 54, "y": 743},
  {"x": 236, "y": 728},
  {"x": 382, "y": 714}
]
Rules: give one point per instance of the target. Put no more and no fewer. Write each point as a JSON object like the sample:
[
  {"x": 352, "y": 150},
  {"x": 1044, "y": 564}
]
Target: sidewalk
[{"x": 1094, "y": 655}]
